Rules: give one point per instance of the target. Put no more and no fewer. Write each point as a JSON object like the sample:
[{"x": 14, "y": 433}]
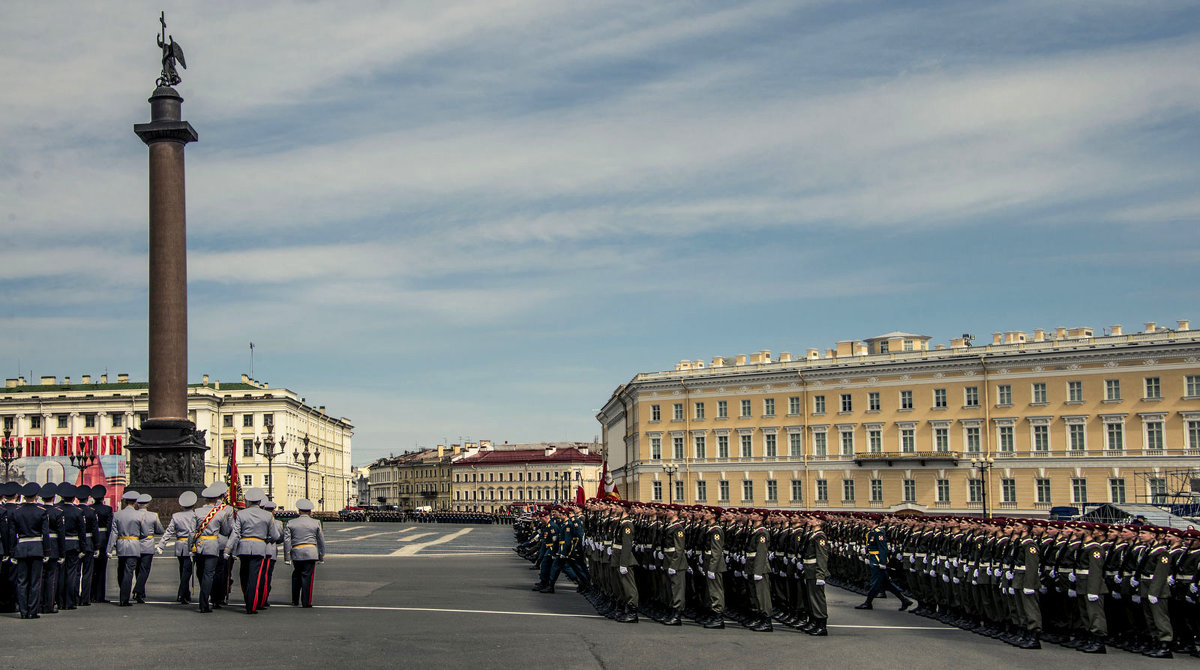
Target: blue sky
[{"x": 476, "y": 219}]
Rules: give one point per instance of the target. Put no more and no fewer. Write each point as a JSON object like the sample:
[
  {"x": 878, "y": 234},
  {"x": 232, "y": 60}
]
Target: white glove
[
  {"x": 624, "y": 570},
  {"x": 1170, "y": 580},
  {"x": 158, "y": 550},
  {"x": 976, "y": 573},
  {"x": 820, "y": 582},
  {"x": 652, "y": 567},
  {"x": 946, "y": 578},
  {"x": 1134, "y": 581},
  {"x": 1153, "y": 600},
  {"x": 1043, "y": 590},
  {"x": 1092, "y": 597},
  {"x": 758, "y": 578},
  {"x": 661, "y": 556},
  {"x": 610, "y": 551},
  {"x": 1008, "y": 575},
  {"x": 1117, "y": 579},
  {"x": 670, "y": 571},
  {"x": 287, "y": 561},
  {"x": 1029, "y": 592},
  {"x": 1071, "y": 577},
  {"x": 712, "y": 575},
  {"x": 1193, "y": 588},
  {"x": 59, "y": 560},
  {"x": 1116, "y": 596},
  {"x": 1072, "y": 593},
  {"x": 770, "y": 555},
  {"x": 1137, "y": 599}
]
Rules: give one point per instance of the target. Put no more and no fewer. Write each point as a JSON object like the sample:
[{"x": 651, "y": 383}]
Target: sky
[{"x": 454, "y": 221}]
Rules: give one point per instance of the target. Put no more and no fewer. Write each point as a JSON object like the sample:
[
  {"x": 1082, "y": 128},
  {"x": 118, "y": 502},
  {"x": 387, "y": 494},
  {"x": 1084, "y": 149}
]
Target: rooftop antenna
[{"x": 252, "y": 360}]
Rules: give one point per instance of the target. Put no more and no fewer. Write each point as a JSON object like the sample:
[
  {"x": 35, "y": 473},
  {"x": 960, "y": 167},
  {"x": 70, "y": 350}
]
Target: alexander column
[{"x": 167, "y": 452}]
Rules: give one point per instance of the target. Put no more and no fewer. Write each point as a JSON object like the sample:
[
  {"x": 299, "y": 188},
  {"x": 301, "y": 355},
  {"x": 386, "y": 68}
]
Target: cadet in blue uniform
[
  {"x": 74, "y": 542},
  {"x": 104, "y": 527},
  {"x": 877, "y": 559},
  {"x": 87, "y": 558},
  {"x": 30, "y": 536},
  {"x": 54, "y": 556},
  {"x": 8, "y": 589}
]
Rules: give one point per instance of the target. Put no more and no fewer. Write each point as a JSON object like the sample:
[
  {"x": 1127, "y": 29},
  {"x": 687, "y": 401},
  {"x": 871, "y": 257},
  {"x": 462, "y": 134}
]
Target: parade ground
[{"x": 439, "y": 596}]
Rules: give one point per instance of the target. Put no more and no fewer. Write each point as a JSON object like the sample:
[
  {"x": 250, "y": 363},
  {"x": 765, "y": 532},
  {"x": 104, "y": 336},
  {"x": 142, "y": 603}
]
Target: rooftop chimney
[
  {"x": 1116, "y": 329},
  {"x": 86, "y": 379},
  {"x": 122, "y": 377},
  {"x": 49, "y": 381},
  {"x": 784, "y": 357},
  {"x": 997, "y": 338},
  {"x": 741, "y": 359},
  {"x": 1060, "y": 333},
  {"x": 1184, "y": 325},
  {"x": 1039, "y": 335},
  {"x": 1151, "y": 326},
  {"x": 104, "y": 378},
  {"x": 813, "y": 354}
]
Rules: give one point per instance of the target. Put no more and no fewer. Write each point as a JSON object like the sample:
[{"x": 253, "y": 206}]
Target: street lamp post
[
  {"x": 266, "y": 448},
  {"x": 9, "y": 452},
  {"x": 306, "y": 459},
  {"x": 670, "y": 469},
  {"x": 983, "y": 465},
  {"x": 82, "y": 460}
]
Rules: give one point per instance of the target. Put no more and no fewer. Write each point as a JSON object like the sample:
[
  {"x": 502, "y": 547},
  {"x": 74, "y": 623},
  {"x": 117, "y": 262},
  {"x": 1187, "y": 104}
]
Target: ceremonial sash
[{"x": 204, "y": 524}]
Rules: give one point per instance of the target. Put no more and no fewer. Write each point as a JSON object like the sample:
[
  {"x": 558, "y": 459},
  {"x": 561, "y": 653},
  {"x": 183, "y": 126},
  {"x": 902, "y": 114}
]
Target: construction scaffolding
[{"x": 1177, "y": 491}]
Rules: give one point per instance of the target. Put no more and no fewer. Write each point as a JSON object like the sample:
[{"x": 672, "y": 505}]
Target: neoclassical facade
[
  {"x": 1053, "y": 418},
  {"x": 491, "y": 477},
  {"x": 413, "y": 480},
  {"x": 237, "y": 417}
]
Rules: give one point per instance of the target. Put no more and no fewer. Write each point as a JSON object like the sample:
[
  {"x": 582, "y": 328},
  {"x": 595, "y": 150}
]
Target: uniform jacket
[
  {"x": 126, "y": 536},
  {"x": 211, "y": 539},
  {"x": 180, "y": 529},
  {"x": 104, "y": 525},
  {"x": 303, "y": 540},
  {"x": 74, "y": 529},
  {"x": 151, "y": 526},
  {"x": 29, "y": 531},
  {"x": 252, "y": 530}
]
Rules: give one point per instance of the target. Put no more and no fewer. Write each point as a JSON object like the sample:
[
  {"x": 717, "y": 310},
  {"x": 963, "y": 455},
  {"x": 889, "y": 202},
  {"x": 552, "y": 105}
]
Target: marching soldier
[
  {"x": 816, "y": 569},
  {"x": 8, "y": 592},
  {"x": 675, "y": 564},
  {"x": 714, "y": 570},
  {"x": 214, "y": 523},
  {"x": 151, "y": 526},
  {"x": 623, "y": 554},
  {"x": 758, "y": 573},
  {"x": 104, "y": 529},
  {"x": 273, "y": 548},
  {"x": 125, "y": 542},
  {"x": 253, "y": 529},
  {"x": 180, "y": 529},
  {"x": 303, "y": 548},
  {"x": 87, "y": 559}
]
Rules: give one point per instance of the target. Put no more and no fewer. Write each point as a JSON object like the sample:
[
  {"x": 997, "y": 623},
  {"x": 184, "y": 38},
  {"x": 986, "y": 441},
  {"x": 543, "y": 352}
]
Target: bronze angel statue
[{"x": 171, "y": 53}]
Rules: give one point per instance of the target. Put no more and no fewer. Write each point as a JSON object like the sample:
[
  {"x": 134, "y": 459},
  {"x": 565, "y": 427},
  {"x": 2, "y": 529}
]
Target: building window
[
  {"x": 1008, "y": 490},
  {"x": 1154, "y": 435},
  {"x": 906, "y": 400},
  {"x": 723, "y": 491},
  {"x": 89, "y": 421},
  {"x": 941, "y": 439},
  {"x": 655, "y": 413},
  {"x": 873, "y": 401},
  {"x": 822, "y": 490},
  {"x": 722, "y": 446},
  {"x": 875, "y": 440},
  {"x": 847, "y": 490},
  {"x": 747, "y": 490},
  {"x": 1006, "y": 439},
  {"x": 698, "y": 441},
  {"x": 117, "y": 420},
  {"x": 62, "y": 420},
  {"x": 768, "y": 407},
  {"x": 1042, "y": 489},
  {"x": 1004, "y": 395},
  {"x": 1079, "y": 490},
  {"x": 1158, "y": 490},
  {"x": 1192, "y": 386},
  {"x": 772, "y": 490},
  {"x": 1153, "y": 388},
  {"x": 1076, "y": 437},
  {"x": 268, "y": 419},
  {"x": 818, "y": 404},
  {"x": 745, "y": 409},
  {"x": 227, "y": 421},
  {"x": 247, "y": 448},
  {"x": 796, "y": 443},
  {"x": 35, "y": 422},
  {"x": 228, "y": 448},
  {"x": 747, "y": 445},
  {"x": 1116, "y": 488},
  {"x": 1114, "y": 434},
  {"x": 876, "y": 490},
  {"x": 972, "y": 437},
  {"x": 656, "y": 448},
  {"x": 701, "y": 491},
  {"x": 769, "y": 445},
  {"x": 677, "y": 411},
  {"x": 971, "y": 396},
  {"x": 847, "y": 440},
  {"x": 820, "y": 445},
  {"x": 1193, "y": 433},
  {"x": 974, "y": 490},
  {"x": 722, "y": 409},
  {"x": 1039, "y": 393},
  {"x": 247, "y": 420},
  {"x": 679, "y": 491},
  {"x": 939, "y": 398},
  {"x": 247, "y": 480},
  {"x": 794, "y": 405},
  {"x": 943, "y": 490},
  {"x": 1041, "y": 438},
  {"x": 847, "y": 403},
  {"x": 677, "y": 444},
  {"x": 1075, "y": 391},
  {"x": 797, "y": 490},
  {"x": 658, "y": 490},
  {"x": 1112, "y": 389},
  {"x": 699, "y": 411},
  {"x": 908, "y": 440},
  {"x": 910, "y": 490}
]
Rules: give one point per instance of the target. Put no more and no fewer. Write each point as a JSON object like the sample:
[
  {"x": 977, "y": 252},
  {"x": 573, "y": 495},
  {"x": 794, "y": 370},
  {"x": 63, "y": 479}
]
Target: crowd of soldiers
[
  {"x": 417, "y": 516},
  {"x": 1023, "y": 581},
  {"x": 55, "y": 545}
]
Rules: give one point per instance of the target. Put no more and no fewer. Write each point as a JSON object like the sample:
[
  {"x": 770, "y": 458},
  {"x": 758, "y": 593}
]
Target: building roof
[
  {"x": 897, "y": 333},
  {"x": 509, "y": 456}
]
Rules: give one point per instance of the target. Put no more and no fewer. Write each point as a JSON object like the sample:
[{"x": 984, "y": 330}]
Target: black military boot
[
  {"x": 820, "y": 629},
  {"x": 715, "y": 620},
  {"x": 1160, "y": 650},
  {"x": 905, "y": 603},
  {"x": 866, "y": 605},
  {"x": 762, "y": 625},
  {"x": 672, "y": 620},
  {"x": 1030, "y": 641},
  {"x": 1094, "y": 645},
  {"x": 627, "y": 615},
  {"x": 548, "y": 588}
]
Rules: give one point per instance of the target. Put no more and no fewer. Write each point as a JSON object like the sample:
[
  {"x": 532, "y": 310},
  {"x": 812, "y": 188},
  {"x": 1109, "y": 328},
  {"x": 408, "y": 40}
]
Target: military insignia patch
[
  {"x": 1164, "y": 559},
  {"x": 679, "y": 534},
  {"x": 1033, "y": 550},
  {"x": 1095, "y": 554},
  {"x": 626, "y": 531},
  {"x": 821, "y": 542},
  {"x": 761, "y": 540},
  {"x": 716, "y": 537}
]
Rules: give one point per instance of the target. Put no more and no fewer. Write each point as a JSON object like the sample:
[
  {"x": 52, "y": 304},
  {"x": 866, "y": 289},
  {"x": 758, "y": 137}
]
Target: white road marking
[
  {"x": 414, "y": 548},
  {"x": 410, "y": 538},
  {"x": 451, "y": 611},
  {"x": 363, "y": 537},
  {"x": 342, "y": 530}
]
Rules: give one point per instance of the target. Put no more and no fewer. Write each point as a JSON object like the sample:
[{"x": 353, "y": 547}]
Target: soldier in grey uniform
[
  {"x": 272, "y": 548},
  {"x": 303, "y": 548},
  {"x": 151, "y": 526},
  {"x": 125, "y": 542},
  {"x": 214, "y": 523},
  {"x": 253, "y": 531},
  {"x": 180, "y": 529}
]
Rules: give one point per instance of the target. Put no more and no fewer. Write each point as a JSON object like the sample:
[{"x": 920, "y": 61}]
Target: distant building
[
  {"x": 1064, "y": 417},
  {"x": 54, "y": 419},
  {"x": 413, "y": 480},
  {"x": 490, "y": 477}
]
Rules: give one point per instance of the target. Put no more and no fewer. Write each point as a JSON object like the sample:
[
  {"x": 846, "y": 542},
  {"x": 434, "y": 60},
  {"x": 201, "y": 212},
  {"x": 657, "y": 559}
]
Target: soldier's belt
[
  {"x": 809, "y": 561},
  {"x": 307, "y": 544},
  {"x": 208, "y": 537},
  {"x": 128, "y": 537},
  {"x": 256, "y": 539},
  {"x": 1062, "y": 570},
  {"x": 29, "y": 539},
  {"x": 1183, "y": 577},
  {"x": 1081, "y": 572}
]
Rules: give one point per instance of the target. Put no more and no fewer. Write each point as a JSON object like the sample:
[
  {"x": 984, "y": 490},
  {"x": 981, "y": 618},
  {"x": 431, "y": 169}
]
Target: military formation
[
  {"x": 55, "y": 541},
  {"x": 1022, "y": 581}
]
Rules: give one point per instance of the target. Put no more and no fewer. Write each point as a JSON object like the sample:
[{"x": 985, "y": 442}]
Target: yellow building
[
  {"x": 413, "y": 480},
  {"x": 490, "y": 477},
  {"x": 236, "y": 416},
  {"x": 1015, "y": 427}
]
